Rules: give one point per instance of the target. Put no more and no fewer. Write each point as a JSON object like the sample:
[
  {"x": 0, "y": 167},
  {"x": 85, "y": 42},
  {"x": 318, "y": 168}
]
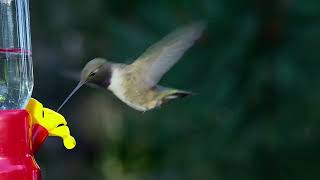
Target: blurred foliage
[{"x": 256, "y": 72}]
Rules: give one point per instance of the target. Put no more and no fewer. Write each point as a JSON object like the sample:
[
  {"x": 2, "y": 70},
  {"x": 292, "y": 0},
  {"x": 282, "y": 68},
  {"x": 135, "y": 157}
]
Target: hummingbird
[{"x": 136, "y": 84}]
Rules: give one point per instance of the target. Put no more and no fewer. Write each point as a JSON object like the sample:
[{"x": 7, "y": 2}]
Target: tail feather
[{"x": 178, "y": 94}]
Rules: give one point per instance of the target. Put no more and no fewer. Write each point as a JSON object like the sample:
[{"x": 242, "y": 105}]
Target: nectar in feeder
[{"x": 16, "y": 74}]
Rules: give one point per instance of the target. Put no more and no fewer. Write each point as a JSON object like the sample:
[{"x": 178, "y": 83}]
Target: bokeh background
[{"x": 255, "y": 70}]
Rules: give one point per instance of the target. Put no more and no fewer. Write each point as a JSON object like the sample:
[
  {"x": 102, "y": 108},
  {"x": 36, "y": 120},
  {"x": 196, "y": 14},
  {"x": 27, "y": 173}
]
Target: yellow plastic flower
[{"x": 54, "y": 122}]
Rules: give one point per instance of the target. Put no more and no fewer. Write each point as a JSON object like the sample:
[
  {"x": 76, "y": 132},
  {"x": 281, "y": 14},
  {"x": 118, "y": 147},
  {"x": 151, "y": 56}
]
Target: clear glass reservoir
[{"x": 16, "y": 72}]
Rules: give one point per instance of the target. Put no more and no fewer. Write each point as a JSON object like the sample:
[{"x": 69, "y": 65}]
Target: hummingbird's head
[{"x": 96, "y": 71}]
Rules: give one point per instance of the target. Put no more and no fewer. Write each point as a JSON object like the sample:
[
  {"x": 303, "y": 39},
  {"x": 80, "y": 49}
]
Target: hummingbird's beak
[{"x": 80, "y": 84}]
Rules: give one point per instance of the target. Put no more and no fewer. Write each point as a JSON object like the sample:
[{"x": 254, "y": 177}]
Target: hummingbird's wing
[
  {"x": 160, "y": 57},
  {"x": 75, "y": 76}
]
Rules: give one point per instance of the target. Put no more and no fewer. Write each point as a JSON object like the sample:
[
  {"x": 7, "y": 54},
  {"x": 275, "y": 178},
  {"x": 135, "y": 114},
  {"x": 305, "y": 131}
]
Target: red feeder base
[{"x": 16, "y": 154}]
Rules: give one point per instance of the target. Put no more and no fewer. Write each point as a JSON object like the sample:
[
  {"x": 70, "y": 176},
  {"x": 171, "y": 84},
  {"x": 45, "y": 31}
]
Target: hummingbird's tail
[
  {"x": 177, "y": 94},
  {"x": 169, "y": 94}
]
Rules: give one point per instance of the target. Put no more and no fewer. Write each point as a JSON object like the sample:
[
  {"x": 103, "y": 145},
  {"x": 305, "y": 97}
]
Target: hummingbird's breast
[{"x": 128, "y": 88}]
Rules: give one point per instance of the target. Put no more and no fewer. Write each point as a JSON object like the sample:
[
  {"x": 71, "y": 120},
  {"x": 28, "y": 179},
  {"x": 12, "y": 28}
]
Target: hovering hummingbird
[{"x": 136, "y": 84}]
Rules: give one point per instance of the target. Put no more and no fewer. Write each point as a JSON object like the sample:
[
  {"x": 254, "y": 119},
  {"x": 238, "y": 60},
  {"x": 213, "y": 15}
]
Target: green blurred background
[{"x": 255, "y": 69}]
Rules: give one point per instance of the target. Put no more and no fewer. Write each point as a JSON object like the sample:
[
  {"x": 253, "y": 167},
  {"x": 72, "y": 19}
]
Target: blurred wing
[
  {"x": 71, "y": 74},
  {"x": 75, "y": 76},
  {"x": 160, "y": 57}
]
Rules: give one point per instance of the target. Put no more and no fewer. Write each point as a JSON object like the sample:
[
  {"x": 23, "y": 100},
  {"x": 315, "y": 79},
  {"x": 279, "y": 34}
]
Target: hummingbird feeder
[{"x": 24, "y": 122}]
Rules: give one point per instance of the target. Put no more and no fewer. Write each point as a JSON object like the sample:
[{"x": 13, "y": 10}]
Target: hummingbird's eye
[{"x": 93, "y": 73}]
